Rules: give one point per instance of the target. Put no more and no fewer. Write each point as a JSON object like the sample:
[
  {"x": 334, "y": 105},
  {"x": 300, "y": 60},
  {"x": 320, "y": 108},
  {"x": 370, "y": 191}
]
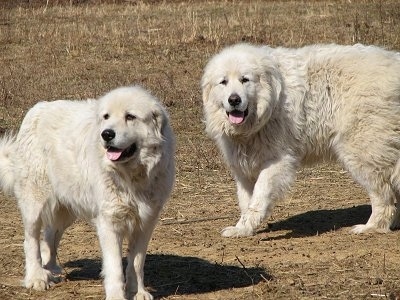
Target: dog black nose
[
  {"x": 108, "y": 135},
  {"x": 234, "y": 100}
]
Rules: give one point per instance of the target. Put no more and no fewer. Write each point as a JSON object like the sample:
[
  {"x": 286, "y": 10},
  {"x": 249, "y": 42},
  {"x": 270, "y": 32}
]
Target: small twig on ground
[
  {"x": 245, "y": 270},
  {"x": 384, "y": 263},
  {"x": 194, "y": 220},
  {"x": 177, "y": 231},
  {"x": 265, "y": 279},
  {"x": 176, "y": 290}
]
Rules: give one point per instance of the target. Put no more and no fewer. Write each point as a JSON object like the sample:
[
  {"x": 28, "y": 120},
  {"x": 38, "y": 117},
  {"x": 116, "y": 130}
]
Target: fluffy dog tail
[{"x": 7, "y": 176}]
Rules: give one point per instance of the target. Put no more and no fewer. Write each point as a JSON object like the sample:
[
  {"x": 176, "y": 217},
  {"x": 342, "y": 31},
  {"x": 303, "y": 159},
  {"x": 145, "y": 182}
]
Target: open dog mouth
[
  {"x": 237, "y": 117},
  {"x": 116, "y": 154}
]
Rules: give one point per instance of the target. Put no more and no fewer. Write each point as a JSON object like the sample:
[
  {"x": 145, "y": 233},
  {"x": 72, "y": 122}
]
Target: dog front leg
[
  {"x": 272, "y": 183},
  {"x": 111, "y": 247},
  {"x": 244, "y": 192}
]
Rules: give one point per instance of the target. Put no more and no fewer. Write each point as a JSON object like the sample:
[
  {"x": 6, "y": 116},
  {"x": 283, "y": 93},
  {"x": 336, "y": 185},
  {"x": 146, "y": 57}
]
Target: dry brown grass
[{"x": 80, "y": 49}]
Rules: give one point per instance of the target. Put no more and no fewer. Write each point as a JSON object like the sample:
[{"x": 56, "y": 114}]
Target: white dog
[
  {"x": 272, "y": 110},
  {"x": 110, "y": 161}
]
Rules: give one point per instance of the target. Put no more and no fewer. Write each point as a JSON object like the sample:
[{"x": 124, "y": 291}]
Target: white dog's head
[
  {"x": 241, "y": 87},
  {"x": 131, "y": 125}
]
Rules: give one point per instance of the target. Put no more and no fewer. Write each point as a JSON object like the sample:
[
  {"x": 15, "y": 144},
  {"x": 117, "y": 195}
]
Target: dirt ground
[
  {"x": 81, "y": 49},
  {"x": 306, "y": 253}
]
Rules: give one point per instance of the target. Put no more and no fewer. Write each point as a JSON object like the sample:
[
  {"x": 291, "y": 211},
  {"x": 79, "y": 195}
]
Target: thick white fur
[
  {"x": 304, "y": 105},
  {"x": 57, "y": 168}
]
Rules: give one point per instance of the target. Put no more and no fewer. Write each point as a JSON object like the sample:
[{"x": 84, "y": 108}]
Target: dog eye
[
  {"x": 106, "y": 116},
  {"x": 223, "y": 82},
  {"x": 130, "y": 117},
  {"x": 244, "y": 79}
]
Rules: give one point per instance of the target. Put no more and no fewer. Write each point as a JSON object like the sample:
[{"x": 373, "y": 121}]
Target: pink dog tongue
[
  {"x": 236, "y": 117},
  {"x": 114, "y": 155}
]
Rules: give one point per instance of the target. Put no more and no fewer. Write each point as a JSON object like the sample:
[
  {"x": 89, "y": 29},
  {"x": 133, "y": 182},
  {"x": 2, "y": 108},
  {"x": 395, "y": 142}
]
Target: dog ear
[
  {"x": 206, "y": 88},
  {"x": 159, "y": 120},
  {"x": 270, "y": 79},
  {"x": 276, "y": 84}
]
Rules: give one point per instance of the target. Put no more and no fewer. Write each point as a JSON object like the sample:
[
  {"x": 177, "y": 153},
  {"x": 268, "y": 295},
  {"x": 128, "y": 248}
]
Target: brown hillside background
[{"x": 81, "y": 49}]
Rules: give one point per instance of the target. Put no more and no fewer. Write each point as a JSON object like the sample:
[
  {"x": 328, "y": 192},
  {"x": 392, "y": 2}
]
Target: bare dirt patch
[{"x": 81, "y": 49}]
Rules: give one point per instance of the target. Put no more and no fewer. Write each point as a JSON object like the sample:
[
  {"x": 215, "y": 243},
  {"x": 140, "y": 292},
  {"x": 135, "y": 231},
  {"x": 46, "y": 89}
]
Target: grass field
[{"x": 82, "y": 49}]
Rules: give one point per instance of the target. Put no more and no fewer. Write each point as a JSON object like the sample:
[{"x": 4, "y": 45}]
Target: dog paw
[
  {"x": 233, "y": 231},
  {"x": 143, "y": 296},
  {"x": 367, "y": 228},
  {"x": 37, "y": 284},
  {"x": 42, "y": 280},
  {"x": 357, "y": 229}
]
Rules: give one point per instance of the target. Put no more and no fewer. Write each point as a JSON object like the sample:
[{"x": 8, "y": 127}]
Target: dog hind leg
[
  {"x": 36, "y": 276},
  {"x": 375, "y": 180},
  {"x": 61, "y": 219}
]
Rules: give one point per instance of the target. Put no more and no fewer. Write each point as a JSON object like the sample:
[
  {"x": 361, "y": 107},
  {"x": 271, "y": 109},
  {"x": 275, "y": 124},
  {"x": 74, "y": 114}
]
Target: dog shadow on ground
[
  {"x": 167, "y": 275},
  {"x": 316, "y": 222}
]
